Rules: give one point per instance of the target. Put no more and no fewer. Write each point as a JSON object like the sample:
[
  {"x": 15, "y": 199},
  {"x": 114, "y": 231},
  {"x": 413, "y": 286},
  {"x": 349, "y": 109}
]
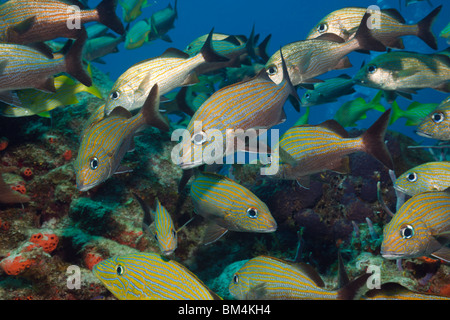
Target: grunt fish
[
  {"x": 436, "y": 125},
  {"x": 307, "y": 59},
  {"x": 227, "y": 205},
  {"x": 328, "y": 91},
  {"x": 106, "y": 141},
  {"x": 387, "y": 26},
  {"x": 326, "y": 146},
  {"x": 31, "y": 21},
  {"x": 418, "y": 227},
  {"x": 269, "y": 278},
  {"x": 97, "y": 48},
  {"x": 252, "y": 104},
  {"x": 431, "y": 176},
  {"x": 172, "y": 69},
  {"x": 137, "y": 35},
  {"x": 29, "y": 68},
  {"x": 404, "y": 72},
  {"x": 163, "y": 227},
  {"x": 150, "y": 276}
]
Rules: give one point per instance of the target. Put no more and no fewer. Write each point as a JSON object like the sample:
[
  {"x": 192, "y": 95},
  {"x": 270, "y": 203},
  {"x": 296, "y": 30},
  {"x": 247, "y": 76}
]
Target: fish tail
[
  {"x": 397, "y": 113},
  {"x": 150, "y": 111},
  {"x": 208, "y": 52},
  {"x": 73, "y": 60},
  {"x": 250, "y": 44},
  {"x": 424, "y": 31},
  {"x": 365, "y": 39},
  {"x": 107, "y": 15},
  {"x": 262, "y": 49},
  {"x": 353, "y": 290},
  {"x": 373, "y": 140}
]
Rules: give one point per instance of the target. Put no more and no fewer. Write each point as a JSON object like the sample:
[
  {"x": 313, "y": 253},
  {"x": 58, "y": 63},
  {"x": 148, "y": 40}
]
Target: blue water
[{"x": 287, "y": 21}]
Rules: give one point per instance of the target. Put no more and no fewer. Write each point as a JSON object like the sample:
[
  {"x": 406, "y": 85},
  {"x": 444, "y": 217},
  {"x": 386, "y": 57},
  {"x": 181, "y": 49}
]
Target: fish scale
[{"x": 148, "y": 276}]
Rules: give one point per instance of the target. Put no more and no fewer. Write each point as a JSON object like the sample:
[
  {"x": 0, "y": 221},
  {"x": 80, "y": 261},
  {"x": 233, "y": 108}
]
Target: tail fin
[
  {"x": 208, "y": 52},
  {"x": 150, "y": 110},
  {"x": 262, "y": 49},
  {"x": 107, "y": 15},
  {"x": 365, "y": 39},
  {"x": 73, "y": 60},
  {"x": 424, "y": 31},
  {"x": 373, "y": 140},
  {"x": 397, "y": 113},
  {"x": 353, "y": 290}
]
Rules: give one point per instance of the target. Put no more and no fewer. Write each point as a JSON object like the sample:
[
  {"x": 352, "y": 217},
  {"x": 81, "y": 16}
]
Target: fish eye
[
  {"x": 115, "y": 95},
  {"x": 407, "y": 232},
  {"x": 252, "y": 213},
  {"x": 437, "y": 117},
  {"x": 372, "y": 68},
  {"x": 119, "y": 270},
  {"x": 93, "y": 163},
  {"x": 272, "y": 70},
  {"x": 412, "y": 177},
  {"x": 199, "y": 138},
  {"x": 236, "y": 278},
  {"x": 307, "y": 96},
  {"x": 323, "y": 27}
]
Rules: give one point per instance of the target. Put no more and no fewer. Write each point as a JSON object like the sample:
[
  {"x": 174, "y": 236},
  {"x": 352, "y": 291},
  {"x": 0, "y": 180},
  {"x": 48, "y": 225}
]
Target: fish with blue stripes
[
  {"x": 256, "y": 103},
  {"x": 32, "y": 21},
  {"x": 403, "y": 73},
  {"x": 326, "y": 146},
  {"x": 328, "y": 91},
  {"x": 159, "y": 224},
  {"x": 29, "y": 68},
  {"x": 436, "y": 125},
  {"x": 307, "y": 59},
  {"x": 227, "y": 205},
  {"x": 388, "y": 26},
  {"x": 430, "y": 176},
  {"x": 105, "y": 142},
  {"x": 172, "y": 69},
  {"x": 150, "y": 276},
  {"x": 421, "y": 227},
  {"x": 269, "y": 278}
]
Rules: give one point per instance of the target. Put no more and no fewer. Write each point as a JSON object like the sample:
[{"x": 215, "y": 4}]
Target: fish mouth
[
  {"x": 85, "y": 187},
  {"x": 392, "y": 255},
  {"x": 423, "y": 134},
  {"x": 268, "y": 230}
]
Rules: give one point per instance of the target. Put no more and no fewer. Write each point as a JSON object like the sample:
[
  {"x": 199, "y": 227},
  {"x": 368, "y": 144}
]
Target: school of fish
[{"x": 253, "y": 100}]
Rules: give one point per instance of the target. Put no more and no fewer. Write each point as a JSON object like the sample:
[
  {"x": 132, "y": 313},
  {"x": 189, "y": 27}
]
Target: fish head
[
  {"x": 274, "y": 68},
  {"x": 310, "y": 98},
  {"x": 411, "y": 182},
  {"x": 240, "y": 284},
  {"x": 247, "y": 213},
  {"x": 374, "y": 76},
  {"x": 436, "y": 125},
  {"x": 93, "y": 165},
  {"x": 122, "y": 95},
  {"x": 405, "y": 238},
  {"x": 332, "y": 23},
  {"x": 120, "y": 277}
]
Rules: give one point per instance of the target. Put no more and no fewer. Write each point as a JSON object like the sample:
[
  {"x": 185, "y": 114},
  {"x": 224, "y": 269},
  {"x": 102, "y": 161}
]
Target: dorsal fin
[
  {"x": 394, "y": 14},
  {"x": 334, "y": 126},
  {"x": 175, "y": 53}
]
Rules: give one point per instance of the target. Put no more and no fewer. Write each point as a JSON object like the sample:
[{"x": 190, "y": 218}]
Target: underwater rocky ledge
[{"x": 62, "y": 227}]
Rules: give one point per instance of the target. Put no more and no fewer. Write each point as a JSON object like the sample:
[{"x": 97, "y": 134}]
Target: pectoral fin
[
  {"x": 213, "y": 233},
  {"x": 443, "y": 254}
]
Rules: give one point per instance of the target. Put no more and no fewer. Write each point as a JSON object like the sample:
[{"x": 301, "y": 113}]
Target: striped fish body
[
  {"x": 431, "y": 176},
  {"x": 105, "y": 142},
  {"x": 255, "y": 103},
  {"x": 415, "y": 229},
  {"x": 28, "y": 68},
  {"x": 266, "y": 277},
  {"x": 150, "y": 276},
  {"x": 227, "y": 205},
  {"x": 404, "y": 71},
  {"x": 30, "y": 21},
  {"x": 315, "y": 148},
  {"x": 436, "y": 125},
  {"x": 164, "y": 229},
  {"x": 388, "y": 26},
  {"x": 328, "y": 91},
  {"x": 172, "y": 69},
  {"x": 307, "y": 59}
]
